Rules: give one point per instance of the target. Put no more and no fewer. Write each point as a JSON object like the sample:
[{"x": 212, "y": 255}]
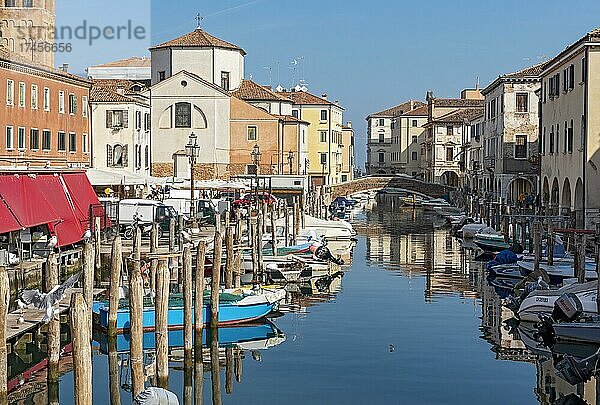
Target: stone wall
[{"x": 373, "y": 182}]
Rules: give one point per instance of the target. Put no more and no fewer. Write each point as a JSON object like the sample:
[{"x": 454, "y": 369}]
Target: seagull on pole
[{"x": 47, "y": 301}]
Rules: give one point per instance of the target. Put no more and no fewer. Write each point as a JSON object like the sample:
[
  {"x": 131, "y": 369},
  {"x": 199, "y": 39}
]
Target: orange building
[
  {"x": 250, "y": 126},
  {"x": 44, "y": 116}
]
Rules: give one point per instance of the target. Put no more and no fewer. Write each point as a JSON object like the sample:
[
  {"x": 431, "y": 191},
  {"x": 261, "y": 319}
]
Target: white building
[
  {"x": 407, "y": 135},
  {"x": 510, "y": 135},
  {"x": 134, "y": 68},
  {"x": 120, "y": 127},
  {"x": 191, "y": 79},
  {"x": 380, "y": 145},
  {"x": 202, "y": 54},
  {"x": 570, "y": 124}
]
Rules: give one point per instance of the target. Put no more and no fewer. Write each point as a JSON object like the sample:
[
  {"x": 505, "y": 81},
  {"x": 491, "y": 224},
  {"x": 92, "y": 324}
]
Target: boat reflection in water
[
  {"x": 248, "y": 336},
  {"x": 412, "y": 244}
]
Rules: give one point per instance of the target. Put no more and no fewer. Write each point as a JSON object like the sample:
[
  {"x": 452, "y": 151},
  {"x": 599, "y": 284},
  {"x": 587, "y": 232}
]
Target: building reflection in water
[{"x": 410, "y": 241}]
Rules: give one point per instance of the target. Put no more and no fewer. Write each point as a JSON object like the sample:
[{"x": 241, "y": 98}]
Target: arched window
[{"x": 183, "y": 115}]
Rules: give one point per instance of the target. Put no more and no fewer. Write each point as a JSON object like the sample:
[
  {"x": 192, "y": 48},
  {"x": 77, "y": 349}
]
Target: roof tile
[{"x": 198, "y": 38}]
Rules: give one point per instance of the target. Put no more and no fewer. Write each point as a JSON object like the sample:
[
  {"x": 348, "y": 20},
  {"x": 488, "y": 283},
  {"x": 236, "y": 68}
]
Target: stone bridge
[{"x": 390, "y": 182}]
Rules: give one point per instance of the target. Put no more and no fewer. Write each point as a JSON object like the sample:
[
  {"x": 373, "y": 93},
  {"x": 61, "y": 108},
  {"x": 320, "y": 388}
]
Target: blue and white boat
[
  {"x": 235, "y": 307},
  {"x": 259, "y": 335}
]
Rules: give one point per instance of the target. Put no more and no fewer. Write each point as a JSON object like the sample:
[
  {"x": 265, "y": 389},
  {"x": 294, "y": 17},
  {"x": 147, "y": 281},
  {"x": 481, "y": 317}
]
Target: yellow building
[{"x": 325, "y": 141}]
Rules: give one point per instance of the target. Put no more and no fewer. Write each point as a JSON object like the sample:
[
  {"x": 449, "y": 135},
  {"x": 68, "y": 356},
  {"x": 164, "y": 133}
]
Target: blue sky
[{"x": 368, "y": 55}]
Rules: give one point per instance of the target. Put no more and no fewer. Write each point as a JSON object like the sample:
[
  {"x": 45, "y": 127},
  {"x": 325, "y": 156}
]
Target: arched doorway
[
  {"x": 519, "y": 186},
  {"x": 554, "y": 195},
  {"x": 578, "y": 204},
  {"x": 565, "y": 201},
  {"x": 450, "y": 179}
]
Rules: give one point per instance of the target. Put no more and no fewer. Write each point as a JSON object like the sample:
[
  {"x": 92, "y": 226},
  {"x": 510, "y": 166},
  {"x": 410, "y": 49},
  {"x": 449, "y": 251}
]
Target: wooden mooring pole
[
  {"x": 216, "y": 280},
  {"x": 550, "y": 244},
  {"x": 97, "y": 245},
  {"x": 113, "y": 371},
  {"x": 537, "y": 245},
  {"x": 153, "y": 249},
  {"x": 228, "y": 370},
  {"x": 52, "y": 280},
  {"x": 188, "y": 317},
  {"x": 199, "y": 289},
  {"x": 136, "y": 309},
  {"x": 88, "y": 278},
  {"x": 286, "y": 215},
  {"x": 580, "y": 257},
  {"x": 162, "y": 325},
  {"x": 273, "y": 230},
  {"x": 4, "y": 298},
  {"x": 229, "y": 258},
  {"x": 215, "y": 372},
  {"x": 237, "y": 270},
  {"x": 82, "y": 350},
  {"x": 116, "y": 263}
]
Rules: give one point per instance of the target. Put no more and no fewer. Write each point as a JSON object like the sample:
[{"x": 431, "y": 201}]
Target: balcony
[{"x": 489, "y": 162}]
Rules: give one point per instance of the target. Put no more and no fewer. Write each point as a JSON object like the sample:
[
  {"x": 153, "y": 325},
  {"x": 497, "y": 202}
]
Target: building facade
[
  {"x": 407, "y": 135},
  {"x": 27, "y": 27},
  {"x": 44, "y": 115},
  {"x": 510, "y": 135},
  {"x": 324, "y": 135},
  {"x": 347, "y": 153},
  {"x": 120, "y": 127},
  {"x": 471, "y": 155},
  {"x": 444, "y": 134},
  {"x": 382, "y": 131},
  {"x": 192, "y": 77},
  {"x": 569, "y": 127}
]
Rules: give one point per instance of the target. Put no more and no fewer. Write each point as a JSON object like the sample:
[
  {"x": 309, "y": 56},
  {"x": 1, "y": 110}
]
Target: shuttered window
[{"x": 183, "y": 115}]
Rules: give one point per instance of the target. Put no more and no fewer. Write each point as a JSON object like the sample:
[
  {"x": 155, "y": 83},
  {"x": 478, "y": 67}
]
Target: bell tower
[{"x": 27, "y": 29}]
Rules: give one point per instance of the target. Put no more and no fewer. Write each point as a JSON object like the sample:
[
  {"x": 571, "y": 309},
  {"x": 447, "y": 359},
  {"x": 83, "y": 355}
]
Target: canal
[{"x": 413, "y": 321}]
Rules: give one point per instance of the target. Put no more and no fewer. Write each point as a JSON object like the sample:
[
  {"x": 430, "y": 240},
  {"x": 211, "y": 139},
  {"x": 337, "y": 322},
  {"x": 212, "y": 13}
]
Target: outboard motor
[
  {"x": 567, "y": 308},
  {"x": 576, "y": 371},
  {"x": 323, "y": 253}
]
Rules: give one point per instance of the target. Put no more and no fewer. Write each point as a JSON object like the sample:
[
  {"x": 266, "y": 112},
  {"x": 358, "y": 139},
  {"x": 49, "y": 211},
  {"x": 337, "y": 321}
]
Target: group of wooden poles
[{"x": 159, "y": 280}]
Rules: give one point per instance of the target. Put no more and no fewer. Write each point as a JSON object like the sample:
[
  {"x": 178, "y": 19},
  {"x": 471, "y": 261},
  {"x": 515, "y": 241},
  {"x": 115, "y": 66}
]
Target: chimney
[
  {"x": 324, "y": 95},
  {"x": 412, "y": 105},
  {"x": 429, "y": 96},
  {"x": 121, "y": 90},
  {"x": 349, "y": 125},
  {"x": 64, "y": 67}
]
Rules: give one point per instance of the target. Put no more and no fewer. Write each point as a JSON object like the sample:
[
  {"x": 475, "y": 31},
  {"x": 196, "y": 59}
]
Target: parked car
[
  {"x": 249, "y": 199},
  {"x": 146, "y": 212}
]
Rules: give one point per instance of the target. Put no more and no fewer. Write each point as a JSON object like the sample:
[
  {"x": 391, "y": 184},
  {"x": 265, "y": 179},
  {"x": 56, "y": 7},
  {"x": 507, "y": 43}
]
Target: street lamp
[
  {"x": 192, "y": 151},
  {"x": 255, "y": 154},
  {"x": 290, "y": 159}
]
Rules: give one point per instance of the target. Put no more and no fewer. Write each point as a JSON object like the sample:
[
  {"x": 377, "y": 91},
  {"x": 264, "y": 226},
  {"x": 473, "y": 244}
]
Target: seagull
[
  {"x": 52, "y": 242},
  {"x": 87, "y": 234},
  {"x": 21, "y": 306},
  {"x": 392, "y": 348},
  {"x": 47, "y": 301}
]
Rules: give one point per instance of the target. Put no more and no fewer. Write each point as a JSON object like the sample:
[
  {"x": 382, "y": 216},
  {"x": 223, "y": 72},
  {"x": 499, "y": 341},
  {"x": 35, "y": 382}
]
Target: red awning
[
  {"x": 83, "y": 195},
  {"x": 8, "y": 222},
  {"x": 68, "y": 229},
  {"x": 28, "y": 206}
]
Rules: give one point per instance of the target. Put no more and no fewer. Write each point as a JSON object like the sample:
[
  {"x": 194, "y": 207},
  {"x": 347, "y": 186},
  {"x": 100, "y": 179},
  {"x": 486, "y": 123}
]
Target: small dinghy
[
  {"x": 583, "y": 332},
  {"x": 490, "y": 241},
  {"x": 559, "y": 272}
]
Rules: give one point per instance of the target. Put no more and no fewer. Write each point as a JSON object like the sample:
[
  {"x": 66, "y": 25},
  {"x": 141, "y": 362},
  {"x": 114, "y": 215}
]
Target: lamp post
[
  {"x": 290, "y": 159},
  {"x": 192, "y": 151},
  {"x": 255, "y": 154}
]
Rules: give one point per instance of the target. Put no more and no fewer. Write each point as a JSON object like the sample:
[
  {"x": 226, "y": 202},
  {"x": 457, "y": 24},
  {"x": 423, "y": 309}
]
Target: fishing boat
[
  {"x": 540, "y": 302},
  {"x": 490, "y": 242},
  {"x": 261, "y": 334},
  {"x": 235, "y": 307}
]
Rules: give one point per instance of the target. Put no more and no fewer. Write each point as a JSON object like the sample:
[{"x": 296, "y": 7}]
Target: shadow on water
[{"x": 415, "y": 322}]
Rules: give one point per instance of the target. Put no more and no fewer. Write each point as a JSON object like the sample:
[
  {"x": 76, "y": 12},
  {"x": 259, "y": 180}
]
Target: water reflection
[{"x": 412, "y": 243}]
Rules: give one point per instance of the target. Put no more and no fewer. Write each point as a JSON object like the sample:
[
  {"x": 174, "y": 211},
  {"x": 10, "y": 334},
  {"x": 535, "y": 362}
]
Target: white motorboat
[
  {"x": 435, "y": 203},
  {"x": 468, "y": 231},
  {"x": 542, "y": 301},
  {"x": 330, "y": 230}
]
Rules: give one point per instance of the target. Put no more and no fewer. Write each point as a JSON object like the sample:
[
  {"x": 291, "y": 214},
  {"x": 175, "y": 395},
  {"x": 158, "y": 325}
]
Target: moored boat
[
  {"x": 490, "y": 242},
  {"x": 235, "y": 307}
]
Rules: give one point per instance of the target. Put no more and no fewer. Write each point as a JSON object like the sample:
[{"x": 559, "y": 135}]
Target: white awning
[{"x": 116, "y": 177}]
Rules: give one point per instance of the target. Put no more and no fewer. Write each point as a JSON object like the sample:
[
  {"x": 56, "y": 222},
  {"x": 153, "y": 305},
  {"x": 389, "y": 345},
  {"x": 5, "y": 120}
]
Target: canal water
[{"x": 412, "y": 321}]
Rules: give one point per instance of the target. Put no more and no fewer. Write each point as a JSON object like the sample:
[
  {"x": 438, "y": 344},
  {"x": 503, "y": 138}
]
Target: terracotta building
[{"x": 44, "y": 114}]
